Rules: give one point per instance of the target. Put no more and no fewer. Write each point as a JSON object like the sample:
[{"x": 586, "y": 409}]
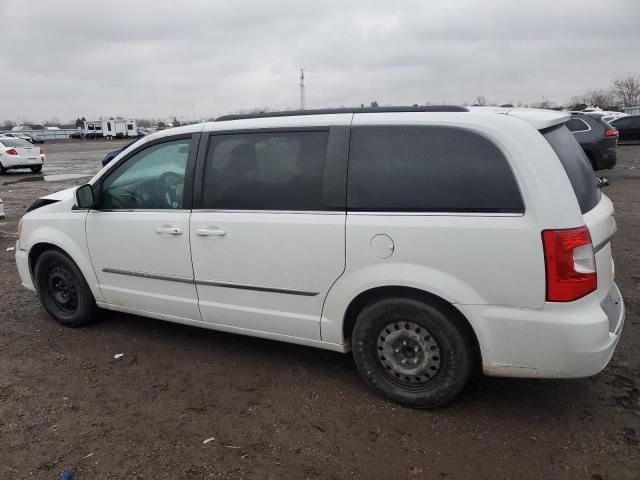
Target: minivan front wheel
[
  {"x": 63, "y": 291},
  {"x": 413, "y": 352}
]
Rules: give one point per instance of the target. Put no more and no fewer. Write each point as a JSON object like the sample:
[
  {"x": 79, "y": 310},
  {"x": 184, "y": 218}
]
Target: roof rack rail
[{"x": 328, "y": 111}]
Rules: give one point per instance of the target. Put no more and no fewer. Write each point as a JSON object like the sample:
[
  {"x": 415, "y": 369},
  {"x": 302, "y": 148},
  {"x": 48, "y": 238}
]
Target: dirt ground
[{"x": 271, "y": 410}]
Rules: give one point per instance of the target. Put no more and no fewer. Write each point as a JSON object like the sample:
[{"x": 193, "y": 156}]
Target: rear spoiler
[{"x": 539, "y": 118}]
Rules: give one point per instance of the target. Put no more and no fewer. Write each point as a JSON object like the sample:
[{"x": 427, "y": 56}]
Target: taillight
[
  {"x": 569, "y": 263},
  {"x": 11, "y": 151},
  {"x": 611, "y": 132}
]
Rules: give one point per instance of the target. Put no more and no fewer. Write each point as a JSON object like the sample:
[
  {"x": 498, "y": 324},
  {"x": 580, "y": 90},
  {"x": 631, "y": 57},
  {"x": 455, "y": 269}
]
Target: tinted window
[
  {"x": 265, "y": 171},
  {"x": 150, "y": 179},
  {"x": 428, "y": 169},
  {"x": 577, "y": 125},
  {"x": 627, "y": 122},
  {"x": 583, "y": 179},
  {"x": 622, "y": 122}
]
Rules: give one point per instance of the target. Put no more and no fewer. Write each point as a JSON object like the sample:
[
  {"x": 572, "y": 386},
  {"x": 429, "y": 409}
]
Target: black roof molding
[{"x": 328, "y": 111}]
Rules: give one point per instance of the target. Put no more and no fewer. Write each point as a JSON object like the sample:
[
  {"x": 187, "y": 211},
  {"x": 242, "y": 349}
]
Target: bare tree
[
  {"x": 599, "y": 97},
  {"x": 480, "y": 101},
  {"x": 9, "y": 124},
  {"x": 627, "y": 90}
]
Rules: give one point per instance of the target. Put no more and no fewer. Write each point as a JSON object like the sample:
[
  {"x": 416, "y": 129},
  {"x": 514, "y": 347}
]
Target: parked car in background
[
  {"x": 37, "y": 138},
  {"x": 93, "y": 134},
  {"x": 79, "y": 135},
  {"x": 250, "y": 224},
  {"x": 597, "y": 138},
  {"x": 23, "y": 136},
  {"x": 114, "y": 153},
  {"x": 18, "y": 153},
  {"x": 628, "y": 128}
]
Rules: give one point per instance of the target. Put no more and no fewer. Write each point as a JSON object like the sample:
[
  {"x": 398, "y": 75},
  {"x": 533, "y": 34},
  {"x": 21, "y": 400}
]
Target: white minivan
[{"x": 429, "y": 241}]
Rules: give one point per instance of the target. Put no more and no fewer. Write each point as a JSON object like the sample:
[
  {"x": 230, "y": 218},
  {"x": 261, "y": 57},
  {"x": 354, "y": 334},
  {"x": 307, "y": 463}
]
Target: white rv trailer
[{"x": 111, "y": 128}]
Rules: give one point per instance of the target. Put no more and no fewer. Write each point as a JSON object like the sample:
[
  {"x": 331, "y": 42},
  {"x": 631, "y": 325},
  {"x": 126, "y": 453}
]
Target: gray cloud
[{"x": 157, "y": 58}]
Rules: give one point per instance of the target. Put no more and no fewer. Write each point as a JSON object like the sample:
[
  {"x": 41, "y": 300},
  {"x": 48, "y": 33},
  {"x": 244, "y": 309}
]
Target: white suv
[{"x": 430, "y": 241}]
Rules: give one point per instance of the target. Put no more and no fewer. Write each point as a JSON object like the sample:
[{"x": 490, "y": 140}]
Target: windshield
[{"x": 575, "y": 163}]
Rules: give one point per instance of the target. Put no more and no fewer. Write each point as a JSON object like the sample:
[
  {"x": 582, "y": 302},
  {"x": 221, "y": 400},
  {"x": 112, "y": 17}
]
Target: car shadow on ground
[{"x": 188, "y": 344}]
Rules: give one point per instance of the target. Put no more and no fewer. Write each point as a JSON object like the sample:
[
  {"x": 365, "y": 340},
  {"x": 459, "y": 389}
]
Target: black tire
[
  {"x": 3, "y": 170},
  {"x": 432, "y": 334},
  {"x": 63, "y": 291},
  {"x": 36, "y": 169}
]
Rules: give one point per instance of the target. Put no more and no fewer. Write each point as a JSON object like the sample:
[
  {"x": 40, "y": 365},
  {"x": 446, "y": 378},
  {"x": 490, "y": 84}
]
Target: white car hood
[{"x": 65, "y": 194}]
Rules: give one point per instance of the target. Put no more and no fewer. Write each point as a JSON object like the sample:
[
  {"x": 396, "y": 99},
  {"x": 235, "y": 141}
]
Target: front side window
[
  {"x": 151, "y": 179},
  {"x": 265, "y": 171},
  {"x": 428, "y": 169}
]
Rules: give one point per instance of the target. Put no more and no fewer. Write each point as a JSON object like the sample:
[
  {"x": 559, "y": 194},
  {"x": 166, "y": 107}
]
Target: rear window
[
  {"x": 15, "y": 142},
  {"x": 428, "y": 169},
  {"x": 575, "y": 163}
]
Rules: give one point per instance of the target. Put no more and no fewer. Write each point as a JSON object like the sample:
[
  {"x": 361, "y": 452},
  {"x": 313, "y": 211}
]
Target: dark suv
[{"x": 598, "y": 139}]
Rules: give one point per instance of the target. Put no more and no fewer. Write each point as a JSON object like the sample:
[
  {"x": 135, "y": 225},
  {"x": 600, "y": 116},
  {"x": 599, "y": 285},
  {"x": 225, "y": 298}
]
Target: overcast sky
[{"x": 155, "y": 58}]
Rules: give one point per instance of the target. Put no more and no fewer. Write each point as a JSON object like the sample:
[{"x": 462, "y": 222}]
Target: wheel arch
[
  {"x": 377, "y": 293},
  {"x": 83, "y": 264}
]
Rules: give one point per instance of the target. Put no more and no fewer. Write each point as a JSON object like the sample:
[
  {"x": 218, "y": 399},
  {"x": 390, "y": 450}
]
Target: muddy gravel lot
[{"x": 189, "y": 403}]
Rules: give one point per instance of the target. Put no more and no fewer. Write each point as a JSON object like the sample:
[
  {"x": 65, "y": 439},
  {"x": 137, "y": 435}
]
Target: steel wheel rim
[
  {"x": 62, "y": 289},
  {"x": 409, "y": 354}
]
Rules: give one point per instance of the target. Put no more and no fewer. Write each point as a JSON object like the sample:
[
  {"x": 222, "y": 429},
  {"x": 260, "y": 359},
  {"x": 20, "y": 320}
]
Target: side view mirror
[{"x": 84, "y": 197}]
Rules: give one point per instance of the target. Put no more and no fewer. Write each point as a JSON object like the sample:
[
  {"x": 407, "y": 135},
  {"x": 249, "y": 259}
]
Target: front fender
[{"x": 71, "y": 239}]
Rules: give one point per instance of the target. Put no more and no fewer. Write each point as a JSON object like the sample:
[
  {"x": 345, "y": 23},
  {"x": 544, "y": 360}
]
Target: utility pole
[{"x": 302, "y": 99}]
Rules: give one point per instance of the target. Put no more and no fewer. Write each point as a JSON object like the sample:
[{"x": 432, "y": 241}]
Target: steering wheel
[
  {"x": 117, "y": 199},
  {"x": 167, "y": 188}
]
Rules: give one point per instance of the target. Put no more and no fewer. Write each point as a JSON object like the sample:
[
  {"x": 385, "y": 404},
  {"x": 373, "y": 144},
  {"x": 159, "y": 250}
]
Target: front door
[
  {"x": 139, "y": 236},
  {"x": 268, "y": 238}
]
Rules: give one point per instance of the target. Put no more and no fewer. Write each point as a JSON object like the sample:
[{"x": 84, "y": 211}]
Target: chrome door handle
[
  {"x": 211, "y": 232},
  {"x": 169, "y": 231}
]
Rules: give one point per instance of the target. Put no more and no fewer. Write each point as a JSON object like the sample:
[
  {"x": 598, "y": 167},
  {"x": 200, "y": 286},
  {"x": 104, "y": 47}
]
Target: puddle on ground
[{"x": 50, "y": 178}]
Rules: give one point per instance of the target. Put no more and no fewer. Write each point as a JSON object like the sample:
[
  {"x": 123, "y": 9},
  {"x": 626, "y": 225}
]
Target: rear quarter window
[
  {"x": 575, "y": 163},
  {"x": 428, "y": 169}
]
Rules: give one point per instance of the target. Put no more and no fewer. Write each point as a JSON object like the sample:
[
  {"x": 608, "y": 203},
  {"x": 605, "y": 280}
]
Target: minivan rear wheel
[
  {"x": 412, "y": 352},
  {"x": 63, "y": 291}
]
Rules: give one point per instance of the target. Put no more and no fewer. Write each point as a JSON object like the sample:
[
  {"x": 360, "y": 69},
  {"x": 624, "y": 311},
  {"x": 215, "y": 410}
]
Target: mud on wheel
[{"x": 413, "y": 352}]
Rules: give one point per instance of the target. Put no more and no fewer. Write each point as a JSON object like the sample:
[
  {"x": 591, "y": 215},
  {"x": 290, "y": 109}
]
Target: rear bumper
[
  {"x": 22, "y": 163},
  {"x": 608, "y": 161},
  {"x": 570, "y": 340},
  {"x": 607, "y": 154}
]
